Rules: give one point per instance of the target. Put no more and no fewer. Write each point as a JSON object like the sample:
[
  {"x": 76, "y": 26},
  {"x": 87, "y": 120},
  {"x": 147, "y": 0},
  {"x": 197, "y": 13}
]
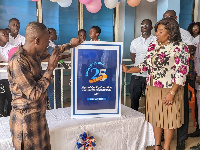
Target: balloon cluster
[
  {"x": 94, "y": 6},
  {"x": 86, "y": 142},
  {"x": 150, "y": 0},
  {"x": 134, "y": 3}
]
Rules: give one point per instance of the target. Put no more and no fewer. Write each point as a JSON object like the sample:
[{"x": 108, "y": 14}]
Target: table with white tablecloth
[{"x": 128, "y": 132}]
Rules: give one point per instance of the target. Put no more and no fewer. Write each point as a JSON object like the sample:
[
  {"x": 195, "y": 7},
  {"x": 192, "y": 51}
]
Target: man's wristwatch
[{"x": 69, "y": 45}]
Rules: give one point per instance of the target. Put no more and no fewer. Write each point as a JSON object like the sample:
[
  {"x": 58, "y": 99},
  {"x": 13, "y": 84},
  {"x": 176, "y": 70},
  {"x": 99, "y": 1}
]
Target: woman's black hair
[
  {"x": 81, "y": 30},
  {"x": 97, "y": 28},
  {"x": 191, "y": 26}
]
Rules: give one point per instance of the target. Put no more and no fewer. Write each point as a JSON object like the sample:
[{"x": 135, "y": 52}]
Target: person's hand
[
  {"x": 75, "y": 42},
  {"x": 198, "y": 79},
  {"x": 168, "y": 99},
  {"x": 124, "y": 68},
  {"x": 54, "y": 58}
]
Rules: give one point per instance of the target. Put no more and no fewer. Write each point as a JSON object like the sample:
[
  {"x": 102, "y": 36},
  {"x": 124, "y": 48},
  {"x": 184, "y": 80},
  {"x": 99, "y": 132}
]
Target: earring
[{"x": 168, "y": 40}]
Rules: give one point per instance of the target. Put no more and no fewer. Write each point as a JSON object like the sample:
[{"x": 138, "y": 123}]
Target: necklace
[{"x": 163, "y": 45}]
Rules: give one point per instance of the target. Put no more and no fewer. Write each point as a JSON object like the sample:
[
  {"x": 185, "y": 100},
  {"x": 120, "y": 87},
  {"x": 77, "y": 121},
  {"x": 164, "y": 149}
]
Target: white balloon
[
  {"x": 54, "y": 0},
  {"x": 64, "y": 3},
  {"x": 150, "y": 0},
  {"x": 110, "y": 3}
]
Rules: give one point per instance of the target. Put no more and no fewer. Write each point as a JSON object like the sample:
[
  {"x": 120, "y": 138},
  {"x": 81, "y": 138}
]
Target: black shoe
[
  {"x": 195, "y": 147},
  {"x": 180, "y": 145},
  {"x": 195, "y": 133}
]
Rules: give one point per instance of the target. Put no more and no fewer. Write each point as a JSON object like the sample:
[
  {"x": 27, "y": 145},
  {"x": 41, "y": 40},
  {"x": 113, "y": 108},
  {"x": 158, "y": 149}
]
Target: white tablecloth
[{"x": 129, "y": 132}]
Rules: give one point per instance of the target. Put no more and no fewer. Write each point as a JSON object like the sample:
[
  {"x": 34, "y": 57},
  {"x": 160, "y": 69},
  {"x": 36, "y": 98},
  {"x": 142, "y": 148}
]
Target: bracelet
[{"x": 172, "y": 92}]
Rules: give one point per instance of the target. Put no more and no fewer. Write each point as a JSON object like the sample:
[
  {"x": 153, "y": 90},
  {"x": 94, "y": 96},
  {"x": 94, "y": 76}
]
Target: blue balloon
[{"x": 118, "y": 0}]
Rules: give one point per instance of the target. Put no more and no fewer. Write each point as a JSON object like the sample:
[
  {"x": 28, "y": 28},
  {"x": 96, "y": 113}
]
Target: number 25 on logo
[{"x": 100, "y": 75}]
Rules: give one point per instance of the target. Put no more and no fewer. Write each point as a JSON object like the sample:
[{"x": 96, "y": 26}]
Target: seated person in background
[
  {"x": 5, "y": 93},
  {"x": 94, "y": 33},
  {"x": 14, "y": 37}
]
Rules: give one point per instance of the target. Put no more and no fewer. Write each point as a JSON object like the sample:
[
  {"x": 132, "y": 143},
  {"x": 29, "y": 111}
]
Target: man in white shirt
[
  {"x": 182, "y": 132},
  {"x": 4, "y": 85},
  {"x": 138, "y": 50},
  {"x": 14, "y": 37}
]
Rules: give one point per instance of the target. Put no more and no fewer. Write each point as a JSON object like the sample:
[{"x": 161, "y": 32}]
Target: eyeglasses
[
  {"x": 195, "y": 28},
  {"x": 144, "y": 25},
  {"x": 169, "y": 17}
]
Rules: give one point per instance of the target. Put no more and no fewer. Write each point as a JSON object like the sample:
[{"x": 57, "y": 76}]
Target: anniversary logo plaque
[{"x": 96, "y": 79}]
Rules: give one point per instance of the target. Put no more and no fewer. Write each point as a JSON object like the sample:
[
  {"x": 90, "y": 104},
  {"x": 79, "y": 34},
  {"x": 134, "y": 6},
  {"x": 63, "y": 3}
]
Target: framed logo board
[{"x": 96, "y": 79}]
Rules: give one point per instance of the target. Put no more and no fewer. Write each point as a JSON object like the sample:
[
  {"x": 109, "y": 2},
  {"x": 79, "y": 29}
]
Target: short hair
[
  {"x": 81, "y": 30},
  {"x": 13, "y": 19},
  {"x": 172, "y": 26},
  {"x": 52, "y": 29},
  {"x": 148, "y": 20},
  {"x": 191, "y": 26},
  {"x": 2, "y": 30},
  {"x": 172, "y": 12},
  {"x": 98, "y": 30},
  {"x": 34, "y": 30}
]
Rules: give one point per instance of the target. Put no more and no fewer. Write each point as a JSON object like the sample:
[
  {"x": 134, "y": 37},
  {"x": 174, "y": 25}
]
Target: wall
[
  {"x": 198, "y": 18},
  {"x": 164, "y": 5},
  {"x": 186, "y": 7},
  {"x": 68, "y": 22},
  {"x": 129, "y": 29},
  {"x": 50, "y": 16},
  {"x": 121, "y": 21},
  {"x": 64, "y": 20},
  {"x": 103, "y": 19},
  {"x": 25, "y": 11}
]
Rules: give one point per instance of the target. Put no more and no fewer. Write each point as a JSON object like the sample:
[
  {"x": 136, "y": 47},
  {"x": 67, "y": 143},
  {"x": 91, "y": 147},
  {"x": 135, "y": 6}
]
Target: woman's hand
[
  {"x": 124, "y": 68},
  {"x": 168, "y": 99}
]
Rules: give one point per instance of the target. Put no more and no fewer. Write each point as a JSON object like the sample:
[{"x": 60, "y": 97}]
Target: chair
[{"x": 192, "y": 104}]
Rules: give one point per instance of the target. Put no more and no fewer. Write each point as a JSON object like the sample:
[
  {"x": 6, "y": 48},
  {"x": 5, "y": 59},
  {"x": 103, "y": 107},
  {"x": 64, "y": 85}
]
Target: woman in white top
[{"x": 193, "y": 28}]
